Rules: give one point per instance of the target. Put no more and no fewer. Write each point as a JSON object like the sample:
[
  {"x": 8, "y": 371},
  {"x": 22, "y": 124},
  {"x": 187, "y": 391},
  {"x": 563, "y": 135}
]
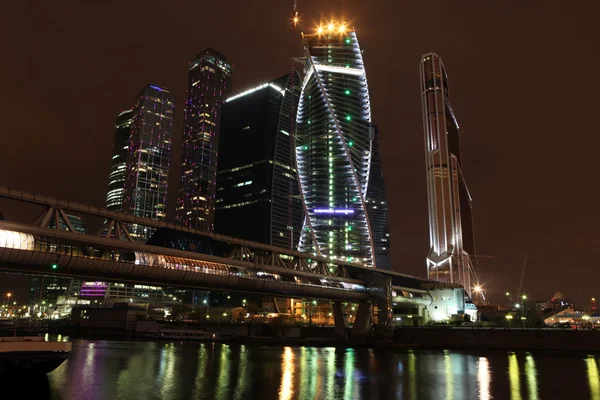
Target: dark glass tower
[
  {"x": 333, "y": 147},
  {"x": 450, "y": 214},
  {"x": 377, "y": 207},
  {"x": 209, "y": 83},
  {"x": 118, "y": 162},
  {"x": 149, "y": 156},
  {"x": 257, "y": 187}
]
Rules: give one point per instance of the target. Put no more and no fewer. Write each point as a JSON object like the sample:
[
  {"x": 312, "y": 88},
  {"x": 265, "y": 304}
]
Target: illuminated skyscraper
[
  {"x": 333, "y": 147},
  {"x": 149, "y": 156},
  {"x": 209, "y": 83},
  {"x": 450, "y": 215},
  {"x": 118, "y": 162},
  {"x": 377, "y": 207},
  {"x": 257, "y": 187}
]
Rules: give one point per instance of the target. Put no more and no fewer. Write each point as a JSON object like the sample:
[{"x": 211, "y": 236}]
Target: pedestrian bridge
[{"x": 186, "y": 258}]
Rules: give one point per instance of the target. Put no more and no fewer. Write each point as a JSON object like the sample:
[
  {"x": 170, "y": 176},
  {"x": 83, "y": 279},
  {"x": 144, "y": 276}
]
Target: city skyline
[{"x": 502, "y": 146}]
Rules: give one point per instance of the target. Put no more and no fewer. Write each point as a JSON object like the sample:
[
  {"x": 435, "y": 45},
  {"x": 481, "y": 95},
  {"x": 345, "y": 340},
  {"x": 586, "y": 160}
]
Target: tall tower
[
  {"x": 255, "y": 175},
  {"x": 450, "y": 215},
  {"x": 118, "y": 162},
  {"x": 377, "y": 207},
  {"x": 149, "y": 156},
  {"x": 209, "y": 83},
  {"x": 333, "y": 146}
]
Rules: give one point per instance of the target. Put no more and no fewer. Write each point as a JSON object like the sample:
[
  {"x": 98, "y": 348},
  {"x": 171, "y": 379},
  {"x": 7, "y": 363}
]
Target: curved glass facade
[{"x": 333, "y": 147}]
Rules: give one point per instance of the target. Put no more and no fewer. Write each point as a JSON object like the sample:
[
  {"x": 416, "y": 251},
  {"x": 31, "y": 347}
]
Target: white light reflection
[
  {"x": 286, "y": 389},
  {"x": 484, "y": 378}
]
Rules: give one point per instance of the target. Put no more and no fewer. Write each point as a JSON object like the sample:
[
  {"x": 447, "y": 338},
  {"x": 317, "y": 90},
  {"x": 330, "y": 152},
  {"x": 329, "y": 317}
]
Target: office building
[
  {"x": 377, "y": 207},
  {"x": 209, "y": 84},
  {"x": 118, "y": 161},
  {"x": 257, "y": 186},
  {"x": 449, "y": 201},
  {"x": 149, "y": 156},
  {"x": 333, "y": 146}
]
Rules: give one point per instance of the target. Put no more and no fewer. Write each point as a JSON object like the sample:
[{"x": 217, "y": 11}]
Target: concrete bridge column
[
  {"x": 340, "y": 322},
  {"x": 361, "y": 322}
]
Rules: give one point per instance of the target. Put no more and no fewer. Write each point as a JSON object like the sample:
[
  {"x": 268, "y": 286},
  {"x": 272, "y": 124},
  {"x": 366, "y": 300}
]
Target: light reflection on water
[{"x": 149, "y": 370}]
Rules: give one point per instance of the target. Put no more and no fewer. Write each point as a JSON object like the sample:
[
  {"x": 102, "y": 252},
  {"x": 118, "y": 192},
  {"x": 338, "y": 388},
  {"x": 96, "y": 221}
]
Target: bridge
[{"x": 187, "y": 258}]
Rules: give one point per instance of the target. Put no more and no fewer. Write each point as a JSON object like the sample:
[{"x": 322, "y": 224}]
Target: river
[{"x": 100, "y": 369}]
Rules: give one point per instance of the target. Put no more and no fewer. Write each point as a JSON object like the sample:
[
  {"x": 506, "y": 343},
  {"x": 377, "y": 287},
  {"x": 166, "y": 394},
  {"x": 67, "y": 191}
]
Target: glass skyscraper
[
  {"x": 377, "y": 207},
  {"x": 450, "y": 215},
  {"x": 209, "y": 83},
  {"x": 149, "y": 156},
  {"x": 118, "y": 162},
  {"x": 257, "y": 187},
  {"x": 333, "y": 147}
]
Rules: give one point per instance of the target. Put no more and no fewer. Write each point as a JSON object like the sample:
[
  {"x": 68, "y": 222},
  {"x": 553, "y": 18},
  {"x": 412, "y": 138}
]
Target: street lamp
[{"x": 8, "y": 296}]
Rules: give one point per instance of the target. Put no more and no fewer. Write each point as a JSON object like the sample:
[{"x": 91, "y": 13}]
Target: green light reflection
[
  {"x": 531, "y": 374},
  {"x": 242, "y": 382},
  {"x": 223, "y": 378},
  {"x": 513, "y": 376},
  {"x": 349, "y": 374},
  {"x": 593, "y": 377},
  {"x": 448, "y": 375},
  {"x": 412, "y": 375},
  {"x": 200, "y": 371}
]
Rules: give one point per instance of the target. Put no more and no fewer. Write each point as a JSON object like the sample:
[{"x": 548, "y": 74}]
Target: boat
[
  {"x": 32, "y": 353},
  {"x": 185, "y": 334}
]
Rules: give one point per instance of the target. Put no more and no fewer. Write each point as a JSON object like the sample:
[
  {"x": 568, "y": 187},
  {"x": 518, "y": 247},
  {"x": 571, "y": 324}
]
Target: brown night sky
[{"x": 522, "y": 84}]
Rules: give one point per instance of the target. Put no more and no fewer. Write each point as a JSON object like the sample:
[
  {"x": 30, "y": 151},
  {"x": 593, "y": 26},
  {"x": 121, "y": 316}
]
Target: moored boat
[{"x": 32, "y": 353}]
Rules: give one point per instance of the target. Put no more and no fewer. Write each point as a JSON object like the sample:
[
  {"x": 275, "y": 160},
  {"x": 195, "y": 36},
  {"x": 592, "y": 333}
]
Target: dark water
[{"x": 163, "y": 370}]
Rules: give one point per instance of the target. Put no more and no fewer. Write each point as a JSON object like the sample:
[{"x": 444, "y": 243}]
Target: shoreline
[{"x": 399, "y": 339}]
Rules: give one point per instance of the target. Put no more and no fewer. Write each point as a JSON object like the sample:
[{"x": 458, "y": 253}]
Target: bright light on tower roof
[
  {"x": 342, "y": 28},
  {"x": 320, "y": 30},
  {"x": 331, "y": 26}
]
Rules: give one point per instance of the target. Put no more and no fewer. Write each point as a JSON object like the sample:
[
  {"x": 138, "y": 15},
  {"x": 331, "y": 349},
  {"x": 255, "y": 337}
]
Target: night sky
[{"x": 522, "y": 78}]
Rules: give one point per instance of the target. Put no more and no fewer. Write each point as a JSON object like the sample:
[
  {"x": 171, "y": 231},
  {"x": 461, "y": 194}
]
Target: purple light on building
[
  {"x": 344, "y": 211},
  {"x": 93, "y": 289}
]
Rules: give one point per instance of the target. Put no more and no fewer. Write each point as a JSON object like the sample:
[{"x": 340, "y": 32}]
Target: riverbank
[{"x": 399, "y": 338}]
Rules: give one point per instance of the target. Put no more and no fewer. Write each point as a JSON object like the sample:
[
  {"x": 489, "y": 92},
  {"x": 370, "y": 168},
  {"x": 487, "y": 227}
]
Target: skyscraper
[
  {"x": 333, "y": 146},
  {"x": 450, "y": 215},
  {"x": 377, "y": 207},
  {"x": 209, "y": 83},
  {"x": 257, "y": 187},
  {"x": 149, "y": 156},
  {"x": 118, "y": 162}
]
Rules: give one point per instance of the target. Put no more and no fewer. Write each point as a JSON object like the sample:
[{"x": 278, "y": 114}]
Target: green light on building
[
  {"x": 350, "y": 143},
  {"x": 348, "y": 118},
  {"x": 347, "y": 92}
]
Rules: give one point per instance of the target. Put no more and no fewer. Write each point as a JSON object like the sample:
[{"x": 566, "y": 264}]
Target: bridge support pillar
[
  {"x": 361, "y": 322},
  {"x": 338, "y": 317}
]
